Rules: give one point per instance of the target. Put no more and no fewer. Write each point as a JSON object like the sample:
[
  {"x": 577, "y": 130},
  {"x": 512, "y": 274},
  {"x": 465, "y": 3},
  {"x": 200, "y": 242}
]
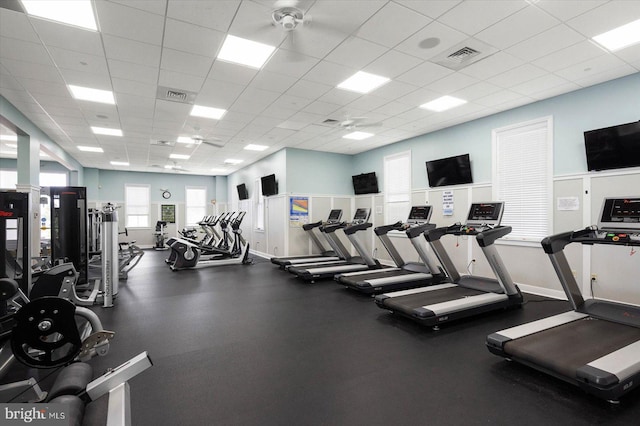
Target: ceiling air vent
[
  {"x": 464, "y": 54},
  {"x": 330, "y": 122},
  {"x": 175, "y": 95},
  {"x": 162, "y": 143}
]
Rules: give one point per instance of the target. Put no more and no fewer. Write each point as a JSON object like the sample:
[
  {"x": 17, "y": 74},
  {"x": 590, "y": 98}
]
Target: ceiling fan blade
[{"x": 211, "y": 143}]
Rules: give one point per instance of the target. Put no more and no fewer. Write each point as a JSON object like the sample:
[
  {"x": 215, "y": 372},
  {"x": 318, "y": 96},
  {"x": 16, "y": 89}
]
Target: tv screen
[
  {"x": 449, "y": 171},
  {"x": 613, "y": 147},
  {"x": 365, "y": 183},
  {"x": 243, "y": 194},
  {"x": 269, "y": 185}
]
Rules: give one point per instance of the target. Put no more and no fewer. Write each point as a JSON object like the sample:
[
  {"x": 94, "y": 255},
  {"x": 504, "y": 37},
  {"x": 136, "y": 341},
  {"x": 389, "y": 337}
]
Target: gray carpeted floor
[{"x": 252, "y": 345}]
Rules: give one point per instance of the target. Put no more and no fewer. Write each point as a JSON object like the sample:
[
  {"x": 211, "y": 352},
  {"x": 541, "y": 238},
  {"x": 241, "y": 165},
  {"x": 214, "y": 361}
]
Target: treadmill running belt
[
  {"x": 409, "y": 302},
  {"x": 566, "y": 348}
]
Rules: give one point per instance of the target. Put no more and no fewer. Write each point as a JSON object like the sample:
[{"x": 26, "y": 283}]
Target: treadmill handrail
[
  {"x": 489, "y": 236},
  {"x": 556, "y": 243},
  {"x": 415, "y": 231},
  {"x": 352, "y": 229},
  {"x": 310, "y": 226},
  {"x": 384, "y": 229},
  {"x": 437, "y": 233},
  {"x": 333, "y": 227}
]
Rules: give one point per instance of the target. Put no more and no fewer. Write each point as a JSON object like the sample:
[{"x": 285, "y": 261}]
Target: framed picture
[{"x": 168, "y": 213}]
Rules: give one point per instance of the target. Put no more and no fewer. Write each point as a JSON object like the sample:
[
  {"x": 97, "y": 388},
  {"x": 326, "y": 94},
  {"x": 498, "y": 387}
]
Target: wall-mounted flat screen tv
[
  {"x": 365, "y": 183},
  {"x": 269, "y": 185},
  {"x": 449, "y": 171},
  {"x": 243, "y": 194},
  {"x": 613, "y": 147}
]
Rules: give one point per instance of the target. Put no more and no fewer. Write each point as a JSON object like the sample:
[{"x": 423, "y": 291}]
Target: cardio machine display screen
[
  {"x": 335, "y": 215},
  {"x": 485, "y": 213},
  {"x": 362, "y": 215},
  {"x": 621, "y": 211},
  {"x": 420, "y": 213}
]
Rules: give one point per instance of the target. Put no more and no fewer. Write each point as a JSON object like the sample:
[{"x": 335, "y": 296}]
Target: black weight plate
[{"x": 46, "y": 335}]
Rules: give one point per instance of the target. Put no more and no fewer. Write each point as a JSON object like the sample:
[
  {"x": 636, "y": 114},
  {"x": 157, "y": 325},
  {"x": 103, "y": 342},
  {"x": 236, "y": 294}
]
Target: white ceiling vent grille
[
  {"x": 464, "y": 54},
  {"x": 175, "y": 95},
  {"x": 162, "y": 143}
]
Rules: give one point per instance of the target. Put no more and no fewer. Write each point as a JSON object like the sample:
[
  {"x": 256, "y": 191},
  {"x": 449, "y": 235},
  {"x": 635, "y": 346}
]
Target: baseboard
[
  {"x": 541, "y": 291},
  {"x": 261, "y": 254}
]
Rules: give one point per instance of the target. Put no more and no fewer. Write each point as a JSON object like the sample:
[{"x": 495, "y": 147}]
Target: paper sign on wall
[
  {"x": 447, "y": 203},
  {"x": 298, "y": 211},
  {"x": 568, "y": 203}
]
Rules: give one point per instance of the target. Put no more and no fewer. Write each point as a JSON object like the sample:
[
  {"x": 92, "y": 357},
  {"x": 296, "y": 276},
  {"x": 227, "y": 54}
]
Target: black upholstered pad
[
  {"x": 409, "y": 302},
  {"x": 566, "y": 348}
]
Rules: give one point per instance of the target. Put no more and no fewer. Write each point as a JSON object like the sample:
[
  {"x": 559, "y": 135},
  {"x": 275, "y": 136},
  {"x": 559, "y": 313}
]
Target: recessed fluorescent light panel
[
  {"x": 245, "y": 52},
  {"x": 620, "y": 37},
  {"x": 78, "y": 13},
  {"x": 207, "y": 112},
  {"x": 363, "y": 82},
  {"x": 232, "y": 161},
  {"x": 186, "y": 140},
  {"x": 119, "y": 163},
  {"x": 92, "y": 95},
  {"x": 106, "y": 131},
  {"x": 444, "y": 103},
  {"x": 90, "y": 148},
  {"x": 358, "y": 136},
  {"x": 252, "y": 147},
  {"x": 179, "y": 156}
]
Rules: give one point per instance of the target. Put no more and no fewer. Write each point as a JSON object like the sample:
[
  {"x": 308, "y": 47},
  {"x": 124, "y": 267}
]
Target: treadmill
[
  {"x": 465, "y": 295},
  {"x": 325, "y": 255},
  {"x": 316, "y": 271},
  {"x": 405, "y": 274},
  {"x": 597, "y": 345}
]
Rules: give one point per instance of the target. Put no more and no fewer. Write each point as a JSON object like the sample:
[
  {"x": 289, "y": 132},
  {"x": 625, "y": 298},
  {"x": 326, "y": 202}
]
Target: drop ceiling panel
[
  {"x": 606, "y": 75},
  {"x": 232, "y": 73},
  {"x": 567, "y": 9},
  {"x": 472, "y": 17},
  {"x": 79, "y": 61},
  {"x": 253, "y": 21},
  {"x": 547, "y": 42},
  {"x": 432, "y": 9},
  {"x": 272, "y": 81},
  {"x": 135, "y": 88},
  {"x": 45, "y": 87},
  {"x": 383, "y": 28},
  {"x": 493, "y": 65},
  {"x": 254, "y": 100},
  {"x": 192, "y": 38},
  {"x": 446, "y": 38},
  {"x": 21, "y": 69},
  {"x": 356, "y": 52},
  {"x": 219, "y": 94},
  {"x": 339, "y": 96},
  {"x": 517, "y": 76},
  {"x": 186, "y": 63},
  {"x": 394, "y": 89},
  {"x": 451, "y": 83},
  {"x": 569, "y": 56},
  {"x": 536, "y": 85},
  {"x": 289, "y": 63},
  {"x": 617, "y": 12},
  {"x": 309, "y": 89},
  {"x": 217, "y": 15},
  {"x": 86, "y": 79},
  {"x": 424, "y": 74},
  {"x": 16, "y": 25},
  {"x": 517, "y": 27},
  {"x": 131, "y": 71},
  {"x": 25, "y": 51},
  {"x": 130, "y": 23},
  {"x": 67, "y": 37},
  {"x": 180, "y": 81},
  {"x": 476, "y": 90},
  {"x": 392, "y": 64},
  {"x": 154, "y": 6},
  {"x": 131, "y": 51}
]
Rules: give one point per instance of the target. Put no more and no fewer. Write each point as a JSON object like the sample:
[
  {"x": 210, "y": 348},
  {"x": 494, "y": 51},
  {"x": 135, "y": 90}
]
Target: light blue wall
[
  {"x": 274, "y": 164},
  {"x": 603, "y": 105},
  {"x": 108, "y": 185},
  {"x": 8, "y": 111},
  {"x": 221, "y": 189},
  {"x": 313, "y": 172}
]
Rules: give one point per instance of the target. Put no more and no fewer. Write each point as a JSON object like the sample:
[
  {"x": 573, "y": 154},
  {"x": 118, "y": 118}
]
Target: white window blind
[
  {"x": 522, "y": 177},
  {"x": 195, "y": 204},
  {"x": 258, "y": 206},
  {"x": 136, "y": 203},
  {"x": 397, "y": 186}
]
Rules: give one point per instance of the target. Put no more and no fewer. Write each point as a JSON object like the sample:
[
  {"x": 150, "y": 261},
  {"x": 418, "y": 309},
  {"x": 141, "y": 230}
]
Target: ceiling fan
[
  {"x": 287, "y": 15},
  {"x": 358, "y": 123}
]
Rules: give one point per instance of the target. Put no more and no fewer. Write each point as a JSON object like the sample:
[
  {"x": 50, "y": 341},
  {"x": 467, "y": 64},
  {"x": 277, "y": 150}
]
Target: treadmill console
[
  {"x": 361, "y": 216},
  {"x": 334, "y": 216},
  {"x": 482, "y": 216},
  {"x": 419, "y": 215},
  {"x": 619, "y": 224}
]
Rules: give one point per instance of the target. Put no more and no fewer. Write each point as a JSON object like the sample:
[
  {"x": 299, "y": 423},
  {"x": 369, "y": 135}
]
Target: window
[
  {"x": 522, "y": 177},
  {"x": 136, "y": 206},
  {"x": 53, "y": 179},
  {"x": 258, "y": 206},
  {"x": 397, "y": 186},
  {"x": 9, "y": 179},
  {"x": 195, "y": 204}
]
